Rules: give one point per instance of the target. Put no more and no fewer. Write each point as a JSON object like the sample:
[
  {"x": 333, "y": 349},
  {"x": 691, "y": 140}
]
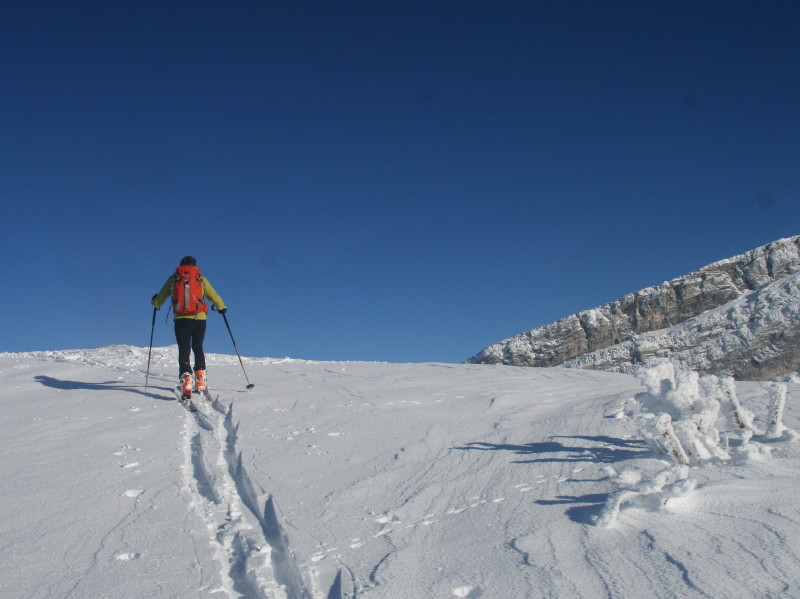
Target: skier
[{"x": 189, "y": 289}]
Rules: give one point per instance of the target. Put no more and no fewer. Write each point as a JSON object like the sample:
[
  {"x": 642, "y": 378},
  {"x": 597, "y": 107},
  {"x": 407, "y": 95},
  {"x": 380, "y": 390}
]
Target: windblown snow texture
[{"x": 383, "y": 481}]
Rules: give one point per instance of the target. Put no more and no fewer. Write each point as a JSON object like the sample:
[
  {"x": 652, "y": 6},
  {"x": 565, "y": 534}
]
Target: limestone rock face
[{"x": 620, "y": 335}]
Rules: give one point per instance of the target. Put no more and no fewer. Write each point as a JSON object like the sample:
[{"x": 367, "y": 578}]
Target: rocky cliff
[{"x": 621, "y": 334}]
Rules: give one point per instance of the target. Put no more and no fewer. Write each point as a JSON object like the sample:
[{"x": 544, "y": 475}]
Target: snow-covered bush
[
  {"x": 650, "y": 495},
  {"x": 775, "y": 426},
  {"x": 690, "y": 419},
  {"x": 678, "y": 414},
  {"x": 739, "y": 419}
]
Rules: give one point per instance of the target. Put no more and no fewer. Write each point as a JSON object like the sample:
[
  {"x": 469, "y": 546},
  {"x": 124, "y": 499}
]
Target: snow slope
[{"x": 423, "y": 481}]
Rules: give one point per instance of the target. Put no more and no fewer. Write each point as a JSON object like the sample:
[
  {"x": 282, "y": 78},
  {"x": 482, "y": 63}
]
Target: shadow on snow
[
  {"x": 55, "y": 383},
  {"x": 605, "y": 450},
  {"x": 608, "y": 450},
  {"x": 584, "y": 507}
]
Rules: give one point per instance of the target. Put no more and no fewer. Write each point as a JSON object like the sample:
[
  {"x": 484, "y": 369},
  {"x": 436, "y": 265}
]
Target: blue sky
[{"x": 398, "y": 181}]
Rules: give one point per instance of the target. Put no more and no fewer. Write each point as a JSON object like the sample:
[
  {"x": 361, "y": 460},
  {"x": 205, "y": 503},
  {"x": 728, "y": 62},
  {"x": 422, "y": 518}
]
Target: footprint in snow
[
  {"x": 124, "y": 450},
  {"x": 127, "y": 557},
  {"x": 387, "y": 518},
  {"x": 467, "y": 592},
  {"x": 133, "y": 492},
  {"x": 386, "y": 521}
]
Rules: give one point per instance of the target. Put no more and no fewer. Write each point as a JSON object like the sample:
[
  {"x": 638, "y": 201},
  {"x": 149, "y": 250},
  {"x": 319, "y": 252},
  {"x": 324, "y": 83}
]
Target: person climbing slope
[{"x": 189, "y": 291}]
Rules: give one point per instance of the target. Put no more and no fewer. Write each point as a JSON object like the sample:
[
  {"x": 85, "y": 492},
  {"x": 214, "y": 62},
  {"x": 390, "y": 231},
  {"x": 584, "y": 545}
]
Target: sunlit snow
[{"x": 391, "y": 481}]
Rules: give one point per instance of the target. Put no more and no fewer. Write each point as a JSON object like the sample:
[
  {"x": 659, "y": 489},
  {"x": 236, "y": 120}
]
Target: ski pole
[
  {"x": 236, "y": 349},
  {"x": 150, "y": 351}
]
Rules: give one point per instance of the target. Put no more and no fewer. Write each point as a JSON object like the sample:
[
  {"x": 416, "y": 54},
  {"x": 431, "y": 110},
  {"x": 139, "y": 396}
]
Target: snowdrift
[{"x": 388, "y": 481}]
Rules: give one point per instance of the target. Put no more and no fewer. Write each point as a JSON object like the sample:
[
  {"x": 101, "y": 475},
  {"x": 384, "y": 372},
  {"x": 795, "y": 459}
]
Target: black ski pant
[{"x": 190, "y": 332}]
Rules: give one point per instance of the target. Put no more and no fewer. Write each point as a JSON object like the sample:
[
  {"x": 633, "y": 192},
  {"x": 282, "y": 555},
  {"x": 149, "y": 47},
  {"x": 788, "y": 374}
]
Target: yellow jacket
[{"x": 208, "y": 292}]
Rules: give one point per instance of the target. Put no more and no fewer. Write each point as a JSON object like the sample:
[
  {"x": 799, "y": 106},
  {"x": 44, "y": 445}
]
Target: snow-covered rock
[{"x": 736, "y": 317}]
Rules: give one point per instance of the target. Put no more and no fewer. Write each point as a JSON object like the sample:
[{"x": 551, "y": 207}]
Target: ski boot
[
  {"x": 186, "y": 386},
  {"x": 200, "y": 381}
]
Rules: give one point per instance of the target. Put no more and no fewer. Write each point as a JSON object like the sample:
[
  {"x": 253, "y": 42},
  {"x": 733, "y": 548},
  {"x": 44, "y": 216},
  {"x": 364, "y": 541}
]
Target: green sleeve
[
  {"x": 210, "y": 293},
  {"x": 165, "y": 292}
]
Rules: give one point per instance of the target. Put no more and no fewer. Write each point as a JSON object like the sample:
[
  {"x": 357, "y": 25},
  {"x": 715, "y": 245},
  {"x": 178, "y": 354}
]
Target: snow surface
[{"x": 391, "y": 481}]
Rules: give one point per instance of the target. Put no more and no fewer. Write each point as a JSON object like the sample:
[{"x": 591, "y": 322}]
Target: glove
[
  {"x": 222, "y": 311},
  {"x": 153, "y": 301}
]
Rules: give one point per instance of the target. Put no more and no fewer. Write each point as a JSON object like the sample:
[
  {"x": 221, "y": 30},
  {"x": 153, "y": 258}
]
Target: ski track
[{"x": 249, "y": 545}]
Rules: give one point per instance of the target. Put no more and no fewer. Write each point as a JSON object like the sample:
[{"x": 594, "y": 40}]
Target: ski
[
  {"x": 189, "y": 404},
  {"x": 185, "y": 402}
]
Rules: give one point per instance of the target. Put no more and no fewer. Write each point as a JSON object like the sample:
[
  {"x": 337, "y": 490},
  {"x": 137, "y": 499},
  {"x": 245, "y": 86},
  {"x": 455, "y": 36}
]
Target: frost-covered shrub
[
  {"x": 678, "y": 414},
  {"x": 775, "y": 426},
  {"x": 651, "y": 495},
  {"x": 739, "y": 419},
  {"x": 681, "y": 412},
  {"x": 689, "y": 418}
]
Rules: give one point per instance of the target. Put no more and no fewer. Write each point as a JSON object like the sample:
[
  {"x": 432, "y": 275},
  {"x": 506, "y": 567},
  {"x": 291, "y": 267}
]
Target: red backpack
[{"x": 187, "y": 292}]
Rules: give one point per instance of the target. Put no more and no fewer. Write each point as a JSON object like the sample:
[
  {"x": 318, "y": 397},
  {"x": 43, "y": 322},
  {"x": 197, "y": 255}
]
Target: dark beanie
[{"x": 188, "y": 261}]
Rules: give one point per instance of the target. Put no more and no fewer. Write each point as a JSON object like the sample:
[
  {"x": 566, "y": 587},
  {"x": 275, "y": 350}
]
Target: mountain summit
[{"x": 737, "y": 317}]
